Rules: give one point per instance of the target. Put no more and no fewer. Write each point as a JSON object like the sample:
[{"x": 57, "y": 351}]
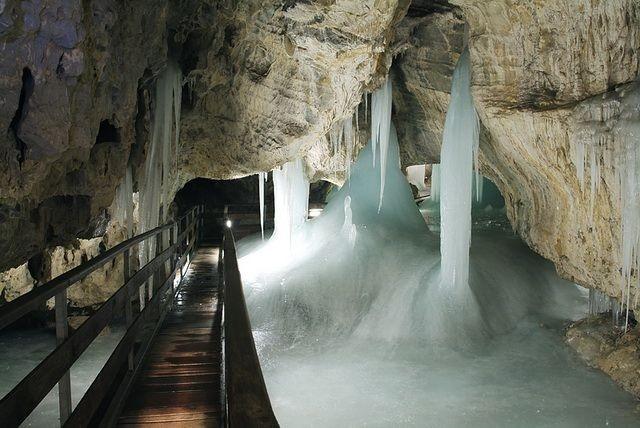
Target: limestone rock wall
[
  {"x": 535, "y": 65},
  {"x": 69, "y": 77},
  {"x": 546, "y": 75},
  {"x": 275, "y": 77}
]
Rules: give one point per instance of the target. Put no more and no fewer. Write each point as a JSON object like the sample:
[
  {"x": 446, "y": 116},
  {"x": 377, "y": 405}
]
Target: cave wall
[
  {"x": 275, "y": 76},
  {"x": 546, "y": 75},
  {"x": 69, "y": 77}
]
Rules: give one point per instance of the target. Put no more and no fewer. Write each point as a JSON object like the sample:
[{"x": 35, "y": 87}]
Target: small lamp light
[{"x": 229, "y": 224}]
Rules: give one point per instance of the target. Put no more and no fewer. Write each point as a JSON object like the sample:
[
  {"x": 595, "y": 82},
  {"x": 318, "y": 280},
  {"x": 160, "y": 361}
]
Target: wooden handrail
[
  {"x": 24, "y": 397},
  {"x": 32, "y": 300},
  {"x": 247, "y": 399}
]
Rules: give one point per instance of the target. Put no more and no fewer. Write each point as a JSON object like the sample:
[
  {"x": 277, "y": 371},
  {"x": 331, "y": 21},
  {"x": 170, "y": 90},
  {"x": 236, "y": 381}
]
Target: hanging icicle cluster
[
  {"x": 608, "y": 135},
  {"x": 155, "y": 189}
]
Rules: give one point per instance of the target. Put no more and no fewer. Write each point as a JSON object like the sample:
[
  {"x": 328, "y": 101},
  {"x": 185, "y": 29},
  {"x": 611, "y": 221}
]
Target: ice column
[
  {"x": 262, "y": 177},
  {"x": 380, "y": 129},
  {"x": 291, "y": 200},
  {"x": 461, "y": 134}
]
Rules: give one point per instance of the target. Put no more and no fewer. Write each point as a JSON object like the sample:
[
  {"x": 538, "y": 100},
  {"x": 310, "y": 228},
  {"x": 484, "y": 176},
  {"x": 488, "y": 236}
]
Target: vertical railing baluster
[
  {"x": 128, "y": 310},
  {"x": 62, "y": 332}
]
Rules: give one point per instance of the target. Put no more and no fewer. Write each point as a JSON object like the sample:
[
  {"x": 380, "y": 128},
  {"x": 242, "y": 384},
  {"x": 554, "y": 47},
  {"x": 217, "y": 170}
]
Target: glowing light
[
  {"x": 229, "y": 224},
  {"x": 315, "y": 212}
]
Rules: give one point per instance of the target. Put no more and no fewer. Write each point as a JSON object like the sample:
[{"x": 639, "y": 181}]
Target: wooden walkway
[{"x": 179, "y": 384}]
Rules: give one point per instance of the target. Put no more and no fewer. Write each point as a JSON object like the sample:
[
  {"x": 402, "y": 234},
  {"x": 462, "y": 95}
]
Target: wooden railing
[
  {"x": 152, "y": 287},
  {"x": 246, "y": 399}
]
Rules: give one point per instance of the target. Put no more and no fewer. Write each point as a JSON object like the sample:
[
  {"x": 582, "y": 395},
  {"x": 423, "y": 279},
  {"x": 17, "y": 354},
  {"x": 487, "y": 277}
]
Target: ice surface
[{"x": 22, "y": 350}]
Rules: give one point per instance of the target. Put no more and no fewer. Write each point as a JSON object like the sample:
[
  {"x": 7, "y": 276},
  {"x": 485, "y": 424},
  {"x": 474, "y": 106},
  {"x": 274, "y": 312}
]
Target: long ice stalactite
[
  {"x": 460, "y": 141},
  {"x": 381, "y": 103},
  {"x": 155, "y": 189}
]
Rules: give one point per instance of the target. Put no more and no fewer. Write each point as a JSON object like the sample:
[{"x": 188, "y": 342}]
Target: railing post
[
  {"x": 173, "y": 259},
  {"x": 128, "y": 310},
  {"x": 62, "y": 332}
]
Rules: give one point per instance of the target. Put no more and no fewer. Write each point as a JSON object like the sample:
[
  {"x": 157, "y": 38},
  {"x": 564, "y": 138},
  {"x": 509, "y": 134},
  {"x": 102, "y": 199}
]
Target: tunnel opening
[{"x": 107, "y": 133}]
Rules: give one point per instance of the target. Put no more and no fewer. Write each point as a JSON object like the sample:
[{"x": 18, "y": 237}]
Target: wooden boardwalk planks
[{"x": 179, "y": 385}]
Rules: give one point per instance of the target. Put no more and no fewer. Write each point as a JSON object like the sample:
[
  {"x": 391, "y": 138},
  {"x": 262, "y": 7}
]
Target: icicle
[
  {"x": 366, "y": 107},
  {"x": 177, "y": 109},
  {"x": 123, "y": 212},
  {"x": 461, "y": 133},
  {"x": 380, "y": 129},
  {"x": 435, "y": 182},
  {"x": 291, "y": 200},
  {"x": 478, "y": 187},
  {"x": 349, "y": 142},
  {"x": 155, "y": 188},
  {"x": 607, "y": 131},
  {"x": 600, "y": 303},
  {"x": 262, "y": 177}
]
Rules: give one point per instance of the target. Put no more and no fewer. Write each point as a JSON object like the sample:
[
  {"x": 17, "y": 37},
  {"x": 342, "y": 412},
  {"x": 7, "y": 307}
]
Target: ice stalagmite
[
  {"x": 461, "y": 133},
  {"x": 291, "y": 201},
  {"x": 262, "y": 177},
  {"x": 348, "y": 228},
  {"x": 381, "y": 101}
]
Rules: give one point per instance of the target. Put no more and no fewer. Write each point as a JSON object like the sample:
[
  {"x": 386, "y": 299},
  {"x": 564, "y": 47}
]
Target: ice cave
[{"x": 329, "y": 213}]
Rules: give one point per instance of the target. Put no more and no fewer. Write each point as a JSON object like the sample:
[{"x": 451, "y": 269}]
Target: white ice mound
[{"x": 371, "y": 282}]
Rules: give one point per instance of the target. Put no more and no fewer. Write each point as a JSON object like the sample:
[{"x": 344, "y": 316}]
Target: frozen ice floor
[
  {"x": 524, "y": 377},
  {"x": 22, "y": 350}
]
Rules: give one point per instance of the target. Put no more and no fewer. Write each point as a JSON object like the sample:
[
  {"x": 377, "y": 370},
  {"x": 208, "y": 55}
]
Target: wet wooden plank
[{"x": 179, "y": 384}]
